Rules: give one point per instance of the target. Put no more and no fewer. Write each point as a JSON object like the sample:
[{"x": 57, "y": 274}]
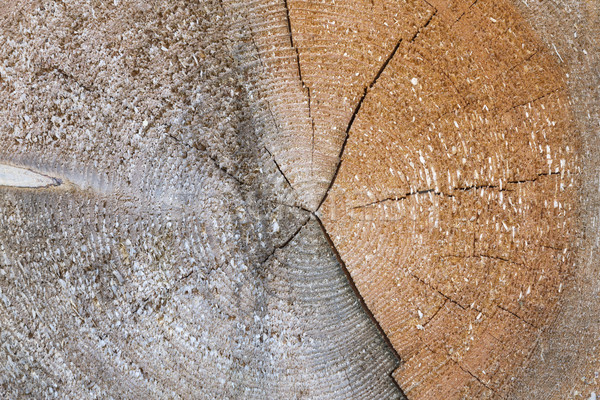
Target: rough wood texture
[
  {"x": 166, "y": 264},
  {"x": 186, "y": 186},
  {"x": 455, "y": 201}
]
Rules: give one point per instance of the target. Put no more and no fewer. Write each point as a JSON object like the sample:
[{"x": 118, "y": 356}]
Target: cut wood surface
[
  {"x": 455, "y": 201},
  {"x": 299, "y": 199}
]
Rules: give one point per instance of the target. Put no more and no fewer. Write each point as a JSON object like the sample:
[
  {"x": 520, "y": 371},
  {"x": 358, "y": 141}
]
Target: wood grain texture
[
  {"x": 298, "y": 199},
  {"x": 454, "y": 206},
  {"x": 167, "y": 264}
]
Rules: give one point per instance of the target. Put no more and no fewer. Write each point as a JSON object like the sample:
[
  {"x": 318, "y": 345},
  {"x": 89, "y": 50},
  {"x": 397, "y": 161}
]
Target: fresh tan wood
[{"x": 455, "y": 204}]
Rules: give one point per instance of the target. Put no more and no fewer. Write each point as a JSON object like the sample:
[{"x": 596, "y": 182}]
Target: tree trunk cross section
[{"x": 298, "y": 199}]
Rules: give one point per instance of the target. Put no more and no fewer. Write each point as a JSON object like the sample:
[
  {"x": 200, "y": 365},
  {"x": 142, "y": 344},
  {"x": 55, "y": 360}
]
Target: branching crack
[
  {"x": 431, "y": 192},
  {"x": 353, "y": 117},
  {"x": 297, "y": 207},
  {"x": 462, "y": 368},
  {"x": 445, "y": 296}
]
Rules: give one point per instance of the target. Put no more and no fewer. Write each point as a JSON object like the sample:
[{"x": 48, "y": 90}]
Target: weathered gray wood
[{"x": 167, "y": 263}]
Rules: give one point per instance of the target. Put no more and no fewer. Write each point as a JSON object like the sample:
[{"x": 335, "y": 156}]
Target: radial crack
[
  {"x": 445, "y": 296},
  {"x": 436, "y": 192},
  {"x": 516, "y": 316},
  {"x": 535, "y": 99},
  {"x": 353, "y": 117},
  {"x": 424, "y": 25},
  {"x": 443, "y": 72},
  {"x": 506, "y": 260},
  {"x": 304, "y": 86},
  {"x": 262, "y": 64},
  {"x": 476, "y": 378},
  {"x": 284, "y": 244},
  {"x": 525, "y": 60},
  {"x": 435, "y": 313},
  {"x": 279, "y": 168},
  {"x": 359, "y": 297},
  {"x": 464, "y": 12},
  {"x": 403, "y": 197}
]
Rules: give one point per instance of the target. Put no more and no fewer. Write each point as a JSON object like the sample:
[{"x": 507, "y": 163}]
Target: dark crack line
[
  {"x": 312, "y": 138},
  {"x": 403, "y": 197},
  {"x": 430, "y": 5},
  {"x": 224, "y": 170},
  {"x": 353, "y": 118},
  {"x": 279, "y": 168},
  {"x": 506, "y": 260},
  {"x": 412, "y": 39},
  {"x": 288, "y": 241},
  {"x": 462, "y": 189},
  {"x": 545, "y": 246},
  {"x": 450, "y": 359},
  {"x": 304, "y": 86},
  {"x": 262, "y": 64},
  {"x": 434, "y": 121},
  {"x": 476, "y": 378},
  {"x": 526, "y": 59},
  {"x": 445, "y": 296},
  {"x": 48, "y": 68},
  {"x": 435, "y": 313},
  {"x": 361, "y": 101},
  {"x": 350, "y": 281},
  {"x": 296, "y": 207},
  {"x": 289, "y": 26},
  {"x": 167, "y": 294},
  {"x": 503, "y": 189},
  {"x": 68, "y": 76},
  {"x": 313, "y": 214},
  {"x": 269, "y": 107},
  {"x": 517, "y": 316},
  {"x": 464, "y": 12},
  {"x": 443, "y": 72},
  {"x": 361, "y": 301}
]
